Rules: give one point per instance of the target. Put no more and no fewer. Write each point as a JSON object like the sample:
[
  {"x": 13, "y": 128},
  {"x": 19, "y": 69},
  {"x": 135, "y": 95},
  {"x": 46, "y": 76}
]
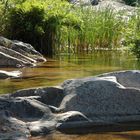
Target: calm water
[{"x": 58, "y": 69}]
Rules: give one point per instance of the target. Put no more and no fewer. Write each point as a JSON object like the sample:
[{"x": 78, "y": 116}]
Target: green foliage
[
  {"x": 2, "y": 20},
  {"x": 102, "y": 29},
  {"x": 59, "y": 27},
  {"x": 132, "y": 33},
  {"x": 136, "y": 35},
  {"x": 5, "y": 6},
  {"x": 41, "y": 22}
]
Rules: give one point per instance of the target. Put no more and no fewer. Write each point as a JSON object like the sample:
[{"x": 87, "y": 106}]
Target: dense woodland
[{"x": 55, "y": 27}]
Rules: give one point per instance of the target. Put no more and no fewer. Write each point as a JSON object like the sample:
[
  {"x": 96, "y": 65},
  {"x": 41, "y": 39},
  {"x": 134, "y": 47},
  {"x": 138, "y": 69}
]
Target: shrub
[{"x": 40, "y": 22}]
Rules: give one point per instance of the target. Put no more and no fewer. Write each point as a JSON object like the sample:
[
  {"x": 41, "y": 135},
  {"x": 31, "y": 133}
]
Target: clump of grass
[
  {"x": 98, "y": 29},
  {"x": 102, "y": 29}
]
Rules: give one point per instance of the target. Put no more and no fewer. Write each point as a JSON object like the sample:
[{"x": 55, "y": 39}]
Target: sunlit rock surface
[
  {"x": 14, "y": 53},
  {"x": 75, "y": 105}
]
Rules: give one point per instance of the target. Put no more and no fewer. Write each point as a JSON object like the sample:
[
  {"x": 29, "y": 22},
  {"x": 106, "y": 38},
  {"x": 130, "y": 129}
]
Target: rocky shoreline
[
  {"x": 105, "y": 100},
  {"x": 15, "y": 53}
]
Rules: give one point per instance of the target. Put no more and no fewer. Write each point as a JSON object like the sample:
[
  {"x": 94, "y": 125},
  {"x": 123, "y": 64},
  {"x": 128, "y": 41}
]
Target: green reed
[{"x": 99, "y": 29}]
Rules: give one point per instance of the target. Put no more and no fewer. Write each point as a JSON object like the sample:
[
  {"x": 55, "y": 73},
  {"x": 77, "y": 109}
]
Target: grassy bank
[{"x": 55, "y": 27}]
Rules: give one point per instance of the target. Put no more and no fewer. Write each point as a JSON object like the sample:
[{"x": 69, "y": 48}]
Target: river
[{"x": 59, "y": 68}]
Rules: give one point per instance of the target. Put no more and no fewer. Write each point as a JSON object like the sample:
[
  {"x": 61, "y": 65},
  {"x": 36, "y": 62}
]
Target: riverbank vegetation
[{"x": 55, "y": 27}]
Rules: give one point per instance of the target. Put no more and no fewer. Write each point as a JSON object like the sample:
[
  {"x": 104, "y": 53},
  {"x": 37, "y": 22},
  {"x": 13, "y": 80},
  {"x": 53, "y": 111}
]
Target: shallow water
[
  {"x": 60, "y": 68},
  {"x": 130, "y": 135}
]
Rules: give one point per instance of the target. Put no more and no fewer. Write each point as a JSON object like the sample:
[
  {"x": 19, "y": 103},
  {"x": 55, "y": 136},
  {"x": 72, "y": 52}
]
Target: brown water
[
  {"x": 56, "y": 70},
  {"x": 130, "y": 135}
]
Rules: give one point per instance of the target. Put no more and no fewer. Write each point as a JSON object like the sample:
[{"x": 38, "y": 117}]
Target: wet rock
[
  {"x": 18, "y": 54},
  {"x": 76, "y": 105},
  {"x": 6, "y": 74},
  {"x": 71, "y": 119},
  {"x": 42, "y": 127},
  {"x": 28, "y": 108}
]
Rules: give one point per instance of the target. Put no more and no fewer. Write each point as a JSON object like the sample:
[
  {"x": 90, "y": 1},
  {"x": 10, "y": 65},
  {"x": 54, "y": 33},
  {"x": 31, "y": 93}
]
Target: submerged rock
[
  {"x": 78, "y": 104},
  {"x": 6, "y": 74},
  {"x": 18, "y": 54}
]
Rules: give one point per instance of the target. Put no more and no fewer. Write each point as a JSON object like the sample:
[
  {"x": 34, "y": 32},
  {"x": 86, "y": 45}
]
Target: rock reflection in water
[
  {"x": 131, "y": 135},
  {"x": 58, "y": 69}
]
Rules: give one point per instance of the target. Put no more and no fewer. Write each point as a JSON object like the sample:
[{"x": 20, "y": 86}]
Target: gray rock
[
  {"x": 41, "y": 127},
  {"x": 79, "y": 104},
  {"x": 50, "y": 95},
  {"x": 102, "y": 99},
  {"x": 27, "y": 50},
  {"x": 9, "y": 61},
  {"x": 126, "y": 78},
  {"x": 12, "y": 128},
  {"x": 18, "y": 54}
]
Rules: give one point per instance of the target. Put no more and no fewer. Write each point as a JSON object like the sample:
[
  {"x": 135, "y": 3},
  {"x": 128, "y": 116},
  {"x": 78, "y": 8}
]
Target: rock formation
[
  {"x": 77, "y": 104},
  {"x": 18, "y": 54}
]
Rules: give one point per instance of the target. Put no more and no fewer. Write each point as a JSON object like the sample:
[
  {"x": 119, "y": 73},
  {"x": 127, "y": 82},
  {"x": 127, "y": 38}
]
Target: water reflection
[
  {"x": 131, "y": 135},
  {"x": 60, "y": 68}
]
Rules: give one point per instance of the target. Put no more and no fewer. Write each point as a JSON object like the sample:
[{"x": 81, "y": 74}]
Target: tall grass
[
  {"x": 99, "y": 29},
  {"x": 133, "y": 33},
  {"x": 55, "y": 27},
  {"x": 102, "y": 29}
]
